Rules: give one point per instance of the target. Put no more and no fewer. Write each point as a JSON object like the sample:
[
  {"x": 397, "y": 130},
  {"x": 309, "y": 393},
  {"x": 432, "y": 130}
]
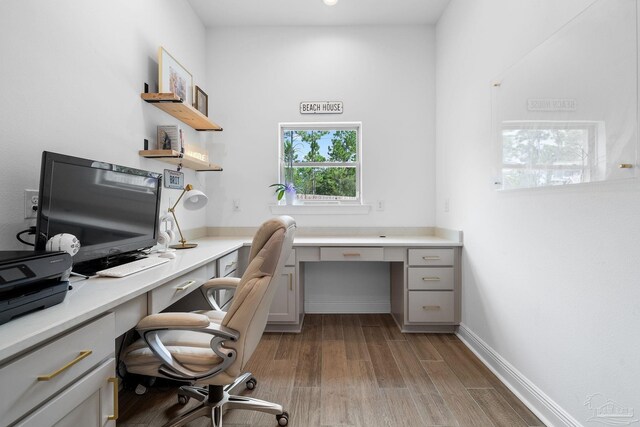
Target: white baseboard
[
  {"x": 347, "y": 307},
  {"x": 540, "y": 404}
]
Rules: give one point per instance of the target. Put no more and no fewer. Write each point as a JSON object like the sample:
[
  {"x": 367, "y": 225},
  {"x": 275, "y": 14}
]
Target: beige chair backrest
[{"x": 249, "y": 309}]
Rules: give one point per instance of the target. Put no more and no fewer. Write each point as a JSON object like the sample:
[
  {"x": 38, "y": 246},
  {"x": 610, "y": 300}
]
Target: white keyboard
[{"x": 132, "y": 267}]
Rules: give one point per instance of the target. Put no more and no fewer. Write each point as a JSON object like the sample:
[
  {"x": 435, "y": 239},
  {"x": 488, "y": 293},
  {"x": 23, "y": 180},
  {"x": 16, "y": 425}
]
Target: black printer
[{"x": 31, "y": 281}]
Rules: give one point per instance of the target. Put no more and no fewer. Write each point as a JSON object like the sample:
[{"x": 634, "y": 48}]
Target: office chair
[
  {"x": 195, "y": 347},
  {"x": 211, "y": 289}
]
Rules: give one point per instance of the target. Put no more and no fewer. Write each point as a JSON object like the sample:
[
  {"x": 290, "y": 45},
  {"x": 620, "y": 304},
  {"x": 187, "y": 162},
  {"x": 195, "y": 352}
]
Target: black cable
[
  {"x": 31, "y": 231},
  {"x": 119, "y": 357}
]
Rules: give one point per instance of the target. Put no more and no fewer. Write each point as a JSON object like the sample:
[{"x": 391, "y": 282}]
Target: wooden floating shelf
[
  {"x": 175, "y": 106},
  {"x": 173, "y": 157}
]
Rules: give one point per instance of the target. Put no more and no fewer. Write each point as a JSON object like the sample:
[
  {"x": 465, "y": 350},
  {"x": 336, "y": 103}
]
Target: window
[
  {"x": 537, "y": 154},
  {"x": 322, "y": 160}
]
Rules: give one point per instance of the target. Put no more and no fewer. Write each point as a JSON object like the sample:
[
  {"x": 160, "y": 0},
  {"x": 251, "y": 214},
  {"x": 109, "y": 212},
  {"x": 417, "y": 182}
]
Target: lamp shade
[{"x": 194, "y": 200}]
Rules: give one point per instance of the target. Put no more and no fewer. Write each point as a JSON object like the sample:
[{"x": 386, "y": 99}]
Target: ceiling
[{"x": 215, "y": 13}]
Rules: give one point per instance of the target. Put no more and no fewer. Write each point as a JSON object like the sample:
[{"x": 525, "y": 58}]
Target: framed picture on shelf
[
  {"x": 202, "y": 101},
  {"x": 173, "y": 77}
]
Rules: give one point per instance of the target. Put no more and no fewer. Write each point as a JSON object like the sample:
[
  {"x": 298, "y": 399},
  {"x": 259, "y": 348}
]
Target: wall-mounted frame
[
  {"x": 173, "y": 77},
  {"x": 201, "y": 101},
  {"x": 567, "y": 112}
]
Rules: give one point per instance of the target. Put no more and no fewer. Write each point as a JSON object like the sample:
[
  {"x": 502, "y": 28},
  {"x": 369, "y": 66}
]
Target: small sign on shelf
[{"x": 173, "y": 179}]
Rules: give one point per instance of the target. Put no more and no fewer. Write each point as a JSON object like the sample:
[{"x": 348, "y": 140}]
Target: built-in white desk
[
  {"x": 77, "y": 339},
  {"x": 83, "y": 328},
  {"x": 424, "y": 278}
]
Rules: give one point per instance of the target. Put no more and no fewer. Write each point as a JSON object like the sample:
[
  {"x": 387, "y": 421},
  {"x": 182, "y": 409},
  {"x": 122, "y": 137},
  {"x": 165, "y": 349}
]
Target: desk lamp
[{"x": 193, "y": 200}]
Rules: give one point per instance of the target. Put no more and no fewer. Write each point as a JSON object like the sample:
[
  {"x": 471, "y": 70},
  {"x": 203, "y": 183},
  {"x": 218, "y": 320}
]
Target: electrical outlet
[
  {"x": 236, "y": 205},
  {"x": 379, "y": 205},
  {"x": 447, "y": 205},
  {"x": 30, "y": 203}
]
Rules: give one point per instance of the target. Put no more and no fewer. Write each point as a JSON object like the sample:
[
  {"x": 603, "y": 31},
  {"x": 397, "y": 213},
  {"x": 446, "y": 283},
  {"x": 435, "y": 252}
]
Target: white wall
[
  {"x": 72, "y": 73},
  {"x": 385, "y": 77},
  {"x": 550, "y": 276}
]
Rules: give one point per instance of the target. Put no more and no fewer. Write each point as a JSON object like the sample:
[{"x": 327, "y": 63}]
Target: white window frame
[{"x": 357, "y": 126}]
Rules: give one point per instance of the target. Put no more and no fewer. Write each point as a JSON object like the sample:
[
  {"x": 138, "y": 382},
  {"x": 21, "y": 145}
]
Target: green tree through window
[{"x": 323, "y": 162}]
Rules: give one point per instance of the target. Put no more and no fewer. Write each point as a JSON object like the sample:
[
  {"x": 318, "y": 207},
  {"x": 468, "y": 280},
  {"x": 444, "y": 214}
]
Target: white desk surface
[
  {"x": 90, "y": 298},
  {"x": 405, "y": 241}
]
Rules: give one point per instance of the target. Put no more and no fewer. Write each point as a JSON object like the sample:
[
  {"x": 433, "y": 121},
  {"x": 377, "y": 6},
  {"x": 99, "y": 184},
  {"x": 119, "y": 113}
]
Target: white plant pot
[{"x": 290, "y": 197}]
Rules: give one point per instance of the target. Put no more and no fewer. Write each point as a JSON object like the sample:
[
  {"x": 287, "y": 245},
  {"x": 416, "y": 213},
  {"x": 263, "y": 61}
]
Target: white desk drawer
[
  {"x": 430, "y": 278},
  {"x": 228, "y": 264},
  {"x": 351, "y": 254},
  {"x": 165, "y": 295},
  {"x": 45, "y": 371},
  {"x": 431, "y": 306},
  {"x": 88, "y": 402},
  {"x": 421, "y": 257}
]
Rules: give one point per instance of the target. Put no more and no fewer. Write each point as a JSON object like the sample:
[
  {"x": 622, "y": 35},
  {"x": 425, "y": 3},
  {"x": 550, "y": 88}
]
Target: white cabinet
[
  {"x": 174, "y": 290},
  {"x": 90, "y": 401},
  {"x": 431, "y": 257},
  {"x": 351, "y": 254},
  {"x": 432, "y": 278},
  {"x": 45, "y": 374},
  {"x": 430, "y": 306},
  {"x": 228, "y": 267},
  {"x": 431, "y": 291},
  {"x": 283, "y": 307},
  {"x": 227, "y": 264},
  {"x": 284, "y": 314}
]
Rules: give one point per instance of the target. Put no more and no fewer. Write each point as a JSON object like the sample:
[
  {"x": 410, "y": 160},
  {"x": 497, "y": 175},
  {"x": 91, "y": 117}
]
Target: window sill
[{"x": 319, "y": 209}]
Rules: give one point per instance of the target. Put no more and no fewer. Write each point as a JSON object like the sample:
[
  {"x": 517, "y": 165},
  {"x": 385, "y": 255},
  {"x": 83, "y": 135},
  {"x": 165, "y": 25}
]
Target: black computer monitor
[{"x": 113, "y": 210}]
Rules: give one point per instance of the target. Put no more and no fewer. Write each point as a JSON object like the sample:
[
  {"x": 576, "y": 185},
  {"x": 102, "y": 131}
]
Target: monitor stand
[{"x": 89, "y": 268}]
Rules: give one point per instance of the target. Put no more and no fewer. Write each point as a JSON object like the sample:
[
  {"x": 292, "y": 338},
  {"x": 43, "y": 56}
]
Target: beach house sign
[{"x": 321, "y": 107}]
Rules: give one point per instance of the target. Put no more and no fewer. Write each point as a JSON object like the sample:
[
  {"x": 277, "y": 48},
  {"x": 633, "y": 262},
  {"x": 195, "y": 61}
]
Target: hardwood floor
[{"x": 357, "y": 370}]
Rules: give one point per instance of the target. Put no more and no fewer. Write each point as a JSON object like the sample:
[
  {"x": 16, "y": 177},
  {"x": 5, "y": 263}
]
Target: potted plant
[{"x": 288, "y": 191}]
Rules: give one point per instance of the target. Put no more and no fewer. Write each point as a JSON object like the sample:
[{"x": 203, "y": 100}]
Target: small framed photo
[
  {"x": 173, "y": 77},
  {"x": 202, "y": 102}
]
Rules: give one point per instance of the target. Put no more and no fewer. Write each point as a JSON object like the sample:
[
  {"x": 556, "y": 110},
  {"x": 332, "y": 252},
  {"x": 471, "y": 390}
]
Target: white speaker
[
  {"x": 166, "y": 236},
  {"x": 64, "y": 242}
]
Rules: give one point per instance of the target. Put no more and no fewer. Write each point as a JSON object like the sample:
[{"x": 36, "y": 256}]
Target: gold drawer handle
[
  {"x": 351, "y": 254},
  {"x": 431, "y": 258},
  {"x": 186, "y": 285},
  {"x": 290, "y": 281},
  {"x": 431, "y": 279},
  {"x": 431, "y": 307},
  {"x": 82, "y": 355},
  {"x": 625, "y": 166},
  {"x": 114, "y": 381}
]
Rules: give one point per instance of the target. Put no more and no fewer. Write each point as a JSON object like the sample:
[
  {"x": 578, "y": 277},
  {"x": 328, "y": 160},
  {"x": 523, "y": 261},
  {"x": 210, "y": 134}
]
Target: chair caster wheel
[
  {"x": 183, "y": 399},
  {"x": 251, "y": 384},
  {"x": 283, "y": 419}
]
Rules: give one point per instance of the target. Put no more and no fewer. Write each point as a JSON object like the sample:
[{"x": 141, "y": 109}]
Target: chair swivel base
[{"x": 217, "y": 399}]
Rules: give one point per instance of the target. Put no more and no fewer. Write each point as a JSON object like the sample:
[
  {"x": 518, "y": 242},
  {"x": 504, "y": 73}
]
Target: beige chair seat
[{"x": 192, "y": 349}]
